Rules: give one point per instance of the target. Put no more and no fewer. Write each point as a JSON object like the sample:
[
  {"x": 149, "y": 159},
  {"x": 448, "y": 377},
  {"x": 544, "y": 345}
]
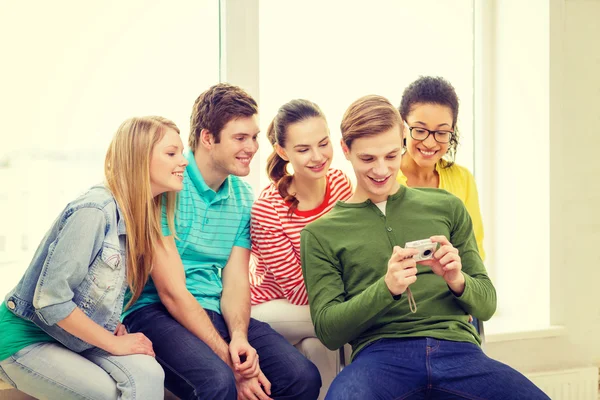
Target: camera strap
[{"x": 411, "y": 301}]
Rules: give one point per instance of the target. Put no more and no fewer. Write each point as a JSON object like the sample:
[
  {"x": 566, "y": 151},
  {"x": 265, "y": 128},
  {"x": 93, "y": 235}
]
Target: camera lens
[{"x": 426, "y": 253}]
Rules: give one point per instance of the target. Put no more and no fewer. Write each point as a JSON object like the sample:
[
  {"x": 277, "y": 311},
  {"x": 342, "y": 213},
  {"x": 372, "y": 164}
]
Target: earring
[{"x": 404, "y": 142}]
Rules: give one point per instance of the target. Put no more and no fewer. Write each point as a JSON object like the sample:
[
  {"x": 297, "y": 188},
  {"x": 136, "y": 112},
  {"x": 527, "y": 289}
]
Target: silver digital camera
[{"x": 426, "y": 249}]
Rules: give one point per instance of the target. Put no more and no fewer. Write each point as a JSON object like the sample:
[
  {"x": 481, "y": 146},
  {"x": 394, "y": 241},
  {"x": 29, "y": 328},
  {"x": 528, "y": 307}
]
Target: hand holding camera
[
  {"x": 402, "y": 270},
  {"x": 444, "y": 261}
]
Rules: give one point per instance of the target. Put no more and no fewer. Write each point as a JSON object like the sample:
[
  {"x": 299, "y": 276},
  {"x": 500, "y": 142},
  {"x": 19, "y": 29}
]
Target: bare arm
[
  {"x": 80, "y": 325},
  {"x": 235, "y": 301},
  {"x": 235, "y": 305},
  {"x": 169, "y": 278}
]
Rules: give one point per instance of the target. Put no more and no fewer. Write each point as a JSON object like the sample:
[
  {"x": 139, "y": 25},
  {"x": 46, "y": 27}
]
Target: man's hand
[
  {"x": 243, "y": 357},
  {"x": 402, "y": 270},
  {"x": 447, "y": 264},
  {"x": 257, "y": 387}
]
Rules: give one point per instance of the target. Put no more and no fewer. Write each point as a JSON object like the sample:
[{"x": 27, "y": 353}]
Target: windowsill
[{"x": 500, "y": 329}]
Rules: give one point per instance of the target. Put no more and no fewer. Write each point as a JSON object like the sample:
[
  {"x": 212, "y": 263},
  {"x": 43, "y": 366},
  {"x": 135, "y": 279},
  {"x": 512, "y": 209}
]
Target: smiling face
[
  {"x": 238, "y": 144},
  {"x": 167, "y": 164},
  {"x": 376, "y": 162},
  {"x": 308, "y": 148},
  {"x": 435, "y": 117}
]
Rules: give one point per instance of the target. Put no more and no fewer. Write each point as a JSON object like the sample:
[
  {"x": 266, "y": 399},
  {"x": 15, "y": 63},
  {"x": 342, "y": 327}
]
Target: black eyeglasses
[{"x": 421, "y": 134}]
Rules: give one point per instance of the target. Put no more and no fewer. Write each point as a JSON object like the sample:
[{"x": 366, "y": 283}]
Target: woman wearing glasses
[{"x": 429, "y": 109}]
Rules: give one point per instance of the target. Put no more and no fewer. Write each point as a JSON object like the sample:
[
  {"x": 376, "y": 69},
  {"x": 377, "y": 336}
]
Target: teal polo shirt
[{"x": 208, "y": 225}]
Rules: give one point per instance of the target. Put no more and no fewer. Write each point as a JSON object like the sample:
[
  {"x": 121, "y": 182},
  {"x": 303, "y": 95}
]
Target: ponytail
[
  {"x": 290, "y": 113},
  {"x": 278, "y": 173}
]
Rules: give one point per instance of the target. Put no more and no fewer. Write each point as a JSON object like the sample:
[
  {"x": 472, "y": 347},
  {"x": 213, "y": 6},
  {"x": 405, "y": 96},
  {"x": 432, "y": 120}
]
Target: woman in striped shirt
[{"x": 300, "y": 137}]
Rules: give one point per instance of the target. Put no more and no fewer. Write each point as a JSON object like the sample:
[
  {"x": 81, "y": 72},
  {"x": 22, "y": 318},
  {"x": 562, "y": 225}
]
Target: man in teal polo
[{"x": 196, "y": 308}]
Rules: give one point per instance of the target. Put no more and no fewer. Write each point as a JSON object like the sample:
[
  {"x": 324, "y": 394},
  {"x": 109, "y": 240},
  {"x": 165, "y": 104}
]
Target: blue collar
[{"x": 196, "y": 177}]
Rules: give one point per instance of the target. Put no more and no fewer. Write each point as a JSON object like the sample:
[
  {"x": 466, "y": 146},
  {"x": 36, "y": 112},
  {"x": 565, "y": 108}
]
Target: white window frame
[
  {"x": 513, "y": 117},
  {"x": 498, "y": 26}
]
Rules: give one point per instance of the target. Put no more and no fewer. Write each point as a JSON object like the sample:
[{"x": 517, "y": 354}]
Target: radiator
[{"x": 569, "y": 384}]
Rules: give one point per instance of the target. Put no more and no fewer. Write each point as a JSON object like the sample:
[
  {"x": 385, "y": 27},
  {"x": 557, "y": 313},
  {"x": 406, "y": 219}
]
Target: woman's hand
[{"x": 131, "y": 343}]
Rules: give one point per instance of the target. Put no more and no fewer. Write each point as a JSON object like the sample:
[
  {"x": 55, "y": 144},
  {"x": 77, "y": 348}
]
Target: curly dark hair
[
  {"x": 215, "y": 107},
  {"x": 433, "y": 90}
]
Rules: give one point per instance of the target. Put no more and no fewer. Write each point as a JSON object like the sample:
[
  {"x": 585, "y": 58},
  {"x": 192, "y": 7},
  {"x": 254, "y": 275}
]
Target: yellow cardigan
[{"x": 460, "y": 182}]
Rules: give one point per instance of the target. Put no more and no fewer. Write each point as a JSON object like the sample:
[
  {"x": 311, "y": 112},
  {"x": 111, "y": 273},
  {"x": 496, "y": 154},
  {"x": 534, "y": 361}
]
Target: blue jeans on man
[
  {"x": 426, "y": 368},
  {"x": 194, "y": 371}
]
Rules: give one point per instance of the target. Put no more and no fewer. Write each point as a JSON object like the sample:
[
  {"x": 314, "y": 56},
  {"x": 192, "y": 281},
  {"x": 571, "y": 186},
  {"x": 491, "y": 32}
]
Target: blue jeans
[
  {"x": 194, "y": 371},
  {"x": 51, "y": 371},
  {"x": 426, "y": 368}
]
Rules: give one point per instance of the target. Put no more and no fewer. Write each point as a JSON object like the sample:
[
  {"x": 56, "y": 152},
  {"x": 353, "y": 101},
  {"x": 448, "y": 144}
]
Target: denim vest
[{"x": 79, "y": 263}]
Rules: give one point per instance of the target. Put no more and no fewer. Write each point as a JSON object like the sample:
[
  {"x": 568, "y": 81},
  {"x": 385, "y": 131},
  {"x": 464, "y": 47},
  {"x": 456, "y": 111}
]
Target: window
[
  {"x": 78, "y": 70},
  {"x": 513, "y": 158},
  {"x": 334, "y": 52},
  {"x": 313, "y": 50}
]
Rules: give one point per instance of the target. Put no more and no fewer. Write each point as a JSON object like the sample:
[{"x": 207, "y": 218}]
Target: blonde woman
[{"x": 59, "y": 324}]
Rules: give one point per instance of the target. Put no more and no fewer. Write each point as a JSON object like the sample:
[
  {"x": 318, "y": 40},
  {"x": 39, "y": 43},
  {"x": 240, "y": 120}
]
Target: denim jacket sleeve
[{"x": 78, "y": 242}]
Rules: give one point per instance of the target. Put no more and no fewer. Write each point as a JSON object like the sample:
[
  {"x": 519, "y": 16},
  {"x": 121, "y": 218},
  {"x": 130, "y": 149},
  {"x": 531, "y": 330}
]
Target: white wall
[
  {"x": 574, "y": 196},
  {"x": 516, "y": 143},
  {"x": 70, "y": 73}
]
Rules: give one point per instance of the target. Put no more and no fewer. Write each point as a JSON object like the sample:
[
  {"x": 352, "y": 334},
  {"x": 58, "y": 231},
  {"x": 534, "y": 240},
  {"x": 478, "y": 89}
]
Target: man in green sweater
[{"x": 408, "y": 323}]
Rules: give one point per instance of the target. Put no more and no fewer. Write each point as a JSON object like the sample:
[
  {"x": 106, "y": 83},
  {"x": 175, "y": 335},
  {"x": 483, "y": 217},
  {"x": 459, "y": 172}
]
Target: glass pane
[
  {"x": 332, "y": 52},
  {"x": 78, "y": 70}
]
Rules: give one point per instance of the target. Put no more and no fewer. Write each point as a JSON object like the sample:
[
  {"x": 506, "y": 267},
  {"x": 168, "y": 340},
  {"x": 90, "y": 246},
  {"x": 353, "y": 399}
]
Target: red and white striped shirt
[{"x": 275, "y": 267}]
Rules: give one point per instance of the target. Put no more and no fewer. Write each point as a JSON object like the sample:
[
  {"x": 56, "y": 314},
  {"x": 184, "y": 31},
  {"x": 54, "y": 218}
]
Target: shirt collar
[
  {"x": 120, "y": 218},
  {"x": 402, "y": 178},
  {"x": 199, "y": 182},
  {"x": 121, "y": 221}
]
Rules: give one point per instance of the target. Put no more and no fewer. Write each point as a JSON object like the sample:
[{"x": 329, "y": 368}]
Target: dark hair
[
  {"x": 433, "y": 90},
  {"x": 368, "y": 116},
  {"x": 214, "y": 108},
  {"x": 290, "y": 113}
]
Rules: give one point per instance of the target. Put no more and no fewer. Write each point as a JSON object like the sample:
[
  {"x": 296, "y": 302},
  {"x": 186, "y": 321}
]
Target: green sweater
[{"x": 344, "y": 260}]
